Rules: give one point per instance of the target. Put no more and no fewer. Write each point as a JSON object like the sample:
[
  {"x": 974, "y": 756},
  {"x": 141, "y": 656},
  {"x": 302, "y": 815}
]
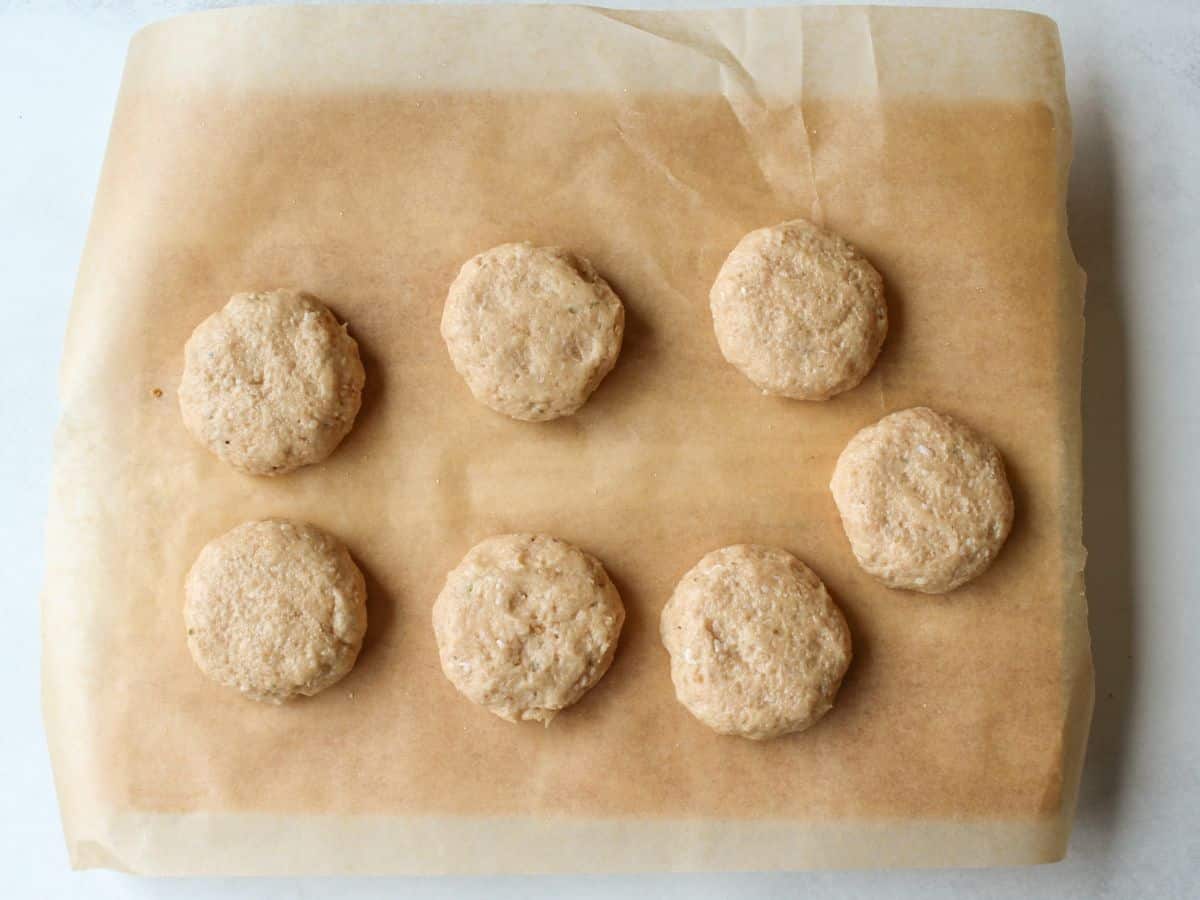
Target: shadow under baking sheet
[{"x": 1095, "y": 218}]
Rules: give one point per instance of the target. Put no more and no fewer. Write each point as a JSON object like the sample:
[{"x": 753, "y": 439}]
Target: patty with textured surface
[
  {"x": 533, "y": 330},
  {"x": 799, "y": 311},
  {"x": 758, "y": 648},
  {"x": 271, "y": 382},
  {"x": 924, "y": 500},
  {"x": 275, "y": 609},
  {"x": 526, "y": 624}
]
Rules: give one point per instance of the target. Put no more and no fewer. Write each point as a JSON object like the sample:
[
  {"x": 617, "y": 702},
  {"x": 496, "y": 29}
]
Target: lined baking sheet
[{"x": 362, "y": 154}]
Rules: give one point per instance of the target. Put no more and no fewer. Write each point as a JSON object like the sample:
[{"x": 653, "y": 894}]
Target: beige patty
[
  {"x": 924, "y": 500},
  {"x": 757, "y": 646},
  {"x": 271, "y": 382},
  {"x": 526, "y": 624},
  {"x": 275, "y": 609},
  {"x": 799, "y": 311},
  {"x": 533, "y": 330}
]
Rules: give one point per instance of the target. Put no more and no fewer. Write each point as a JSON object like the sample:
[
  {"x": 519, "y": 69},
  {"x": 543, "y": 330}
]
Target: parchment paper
[{"x": 362, "y": 154}]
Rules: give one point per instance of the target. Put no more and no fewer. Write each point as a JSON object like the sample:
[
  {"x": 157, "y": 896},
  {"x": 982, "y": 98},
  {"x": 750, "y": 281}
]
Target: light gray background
[{"x": 1134, "y": 81}]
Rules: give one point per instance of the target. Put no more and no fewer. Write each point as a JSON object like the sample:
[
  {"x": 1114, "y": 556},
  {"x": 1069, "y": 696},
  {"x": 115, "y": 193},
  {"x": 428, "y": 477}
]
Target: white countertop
[{"x": 1134, "y": 82}]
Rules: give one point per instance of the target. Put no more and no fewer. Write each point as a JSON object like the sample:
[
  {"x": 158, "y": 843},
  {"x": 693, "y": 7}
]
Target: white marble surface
[{"x": 1134, "y": 78}]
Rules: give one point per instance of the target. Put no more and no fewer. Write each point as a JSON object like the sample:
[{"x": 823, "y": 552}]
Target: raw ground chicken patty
[
  {"x": 799, "y": 311},
  {"x": 532, "y": 330},
  {"x": 758, "y": 648},
  {"x": 275, "y": 609},
  {"x": 526, "y": 624},
  {"x": 271, "y": 382},
  {"x": 924, "y": 500}
]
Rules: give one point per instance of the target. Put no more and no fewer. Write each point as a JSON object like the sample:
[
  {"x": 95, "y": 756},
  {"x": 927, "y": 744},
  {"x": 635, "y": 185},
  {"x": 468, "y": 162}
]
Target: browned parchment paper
[{"x": 363, "y": 154}]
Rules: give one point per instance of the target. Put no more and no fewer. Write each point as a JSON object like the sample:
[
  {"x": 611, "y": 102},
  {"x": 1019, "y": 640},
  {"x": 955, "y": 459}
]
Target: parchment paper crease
[{"x": 362, "y": 154}]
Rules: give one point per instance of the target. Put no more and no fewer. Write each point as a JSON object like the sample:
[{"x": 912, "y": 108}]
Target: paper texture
[{"x": 362, "y": 154}]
